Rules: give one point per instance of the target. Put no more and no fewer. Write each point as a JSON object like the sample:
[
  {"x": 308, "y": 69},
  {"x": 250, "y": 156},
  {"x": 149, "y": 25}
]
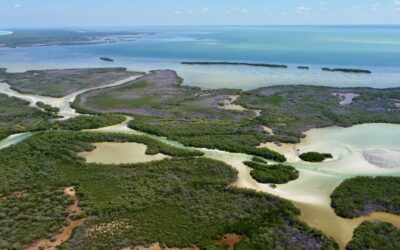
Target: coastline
[
  {"x": 5, "y": 32},
  {"x": 205, "y": 76}
]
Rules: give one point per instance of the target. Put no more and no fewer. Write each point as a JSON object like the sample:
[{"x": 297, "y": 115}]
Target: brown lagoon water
[{"x": 120, "y": 153}]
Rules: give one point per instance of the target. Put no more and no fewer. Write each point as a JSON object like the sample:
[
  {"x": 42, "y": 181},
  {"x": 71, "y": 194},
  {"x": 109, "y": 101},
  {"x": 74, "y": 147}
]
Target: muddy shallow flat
[
  {"x": 311, "y": 191},
  {"x": 120, "y": 153}
]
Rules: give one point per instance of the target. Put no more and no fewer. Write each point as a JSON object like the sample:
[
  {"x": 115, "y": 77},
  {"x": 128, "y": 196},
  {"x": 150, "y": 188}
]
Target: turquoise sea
[{"x": 376, "y": 48}]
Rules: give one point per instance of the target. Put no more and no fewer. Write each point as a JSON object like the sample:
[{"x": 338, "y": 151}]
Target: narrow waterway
[
  {"x": 13, "y": 139},
  {"x": 63, "y": 103}
]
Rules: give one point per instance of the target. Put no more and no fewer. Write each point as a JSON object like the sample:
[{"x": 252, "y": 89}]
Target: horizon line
[{"x": 198, "y": 25}]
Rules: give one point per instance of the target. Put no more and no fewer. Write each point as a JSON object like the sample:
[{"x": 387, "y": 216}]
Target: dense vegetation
[
  {"x": 61, "y": 82},
  {"x": 41, "y": 210},
  {"x": 272, "y": 174},
  {"x": 47, "y": 107},
  {"x": 364, "y": 195},
  {"x": 88, "y": 122},
  {"x": 194, "y": 116},
  {"x": 43, "y": 37},
  {"x": 34, "y": 171},
  {"x": 223, "y": 135},
  {"x": 315, "y": 156},
  {"x": 375, "y": 235},
  {"x": 16, "y": 116},
  {"x": 291, "y": 110},
  {"x": 177, "y": 202},
  {"x": 184, "y": 200},
  {"x": 259, "y": 159}
]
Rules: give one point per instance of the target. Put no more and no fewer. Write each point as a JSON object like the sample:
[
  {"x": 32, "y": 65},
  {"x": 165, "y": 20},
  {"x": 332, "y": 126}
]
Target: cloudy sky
[{"x": 39, "y": 13}]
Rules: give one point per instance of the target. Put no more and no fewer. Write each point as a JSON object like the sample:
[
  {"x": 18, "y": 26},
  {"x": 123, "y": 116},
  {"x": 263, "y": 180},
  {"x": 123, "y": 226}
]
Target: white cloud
[
  {"x": 375, "y": 7},
  {"x": 396, "y": 4},
  {"x": 205, "y": 9},
  {"x": 17, "y": 5},
  {"x": 302, "y": 10},
  {"x": 178, "y": 12},
  {"x": 237, "y": 10}
]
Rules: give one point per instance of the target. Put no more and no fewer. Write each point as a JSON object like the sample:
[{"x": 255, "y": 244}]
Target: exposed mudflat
[
  {"x": 355, "y": 153},
  {"x": 231, "y": 240},
  {"x": 385, "y": 158}
]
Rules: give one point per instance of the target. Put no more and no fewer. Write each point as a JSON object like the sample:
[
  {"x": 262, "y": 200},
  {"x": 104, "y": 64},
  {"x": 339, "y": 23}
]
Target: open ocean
[{"x": 376, "y": 48}]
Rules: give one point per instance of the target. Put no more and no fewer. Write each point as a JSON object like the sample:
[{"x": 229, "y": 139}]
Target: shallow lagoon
[
  {"x": 311, "y": 192},
  {"x": 120, "y": 153}
]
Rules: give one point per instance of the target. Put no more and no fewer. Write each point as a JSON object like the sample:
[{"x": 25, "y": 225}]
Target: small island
[
  {"x": 357, "y": 71},
  {"x": 303, "y": 67},
  {"x": 375, "y": 235},
  {"x": 354, "y": 197},
  {"x": 106, "y": 59},
  {"x": 59, "y": 37},
  {"x": 315, "y": 156},
  {"x": 47, "y": 107},
  {"x": 238, "y": 64},
  {"x": 271, "y": 174}
]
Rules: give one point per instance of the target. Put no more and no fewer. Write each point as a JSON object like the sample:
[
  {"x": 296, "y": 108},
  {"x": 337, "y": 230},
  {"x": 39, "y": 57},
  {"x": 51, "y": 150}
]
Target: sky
[{"x": 84, "y": 13}]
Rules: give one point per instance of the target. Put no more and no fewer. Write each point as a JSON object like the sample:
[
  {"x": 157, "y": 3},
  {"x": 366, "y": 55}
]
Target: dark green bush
[
  {"x": 315, "y": 156},
  {"x": 273, "y": 174},
  {"x": 364, "y": 195},
  {"x": 375, "y": 235}
]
